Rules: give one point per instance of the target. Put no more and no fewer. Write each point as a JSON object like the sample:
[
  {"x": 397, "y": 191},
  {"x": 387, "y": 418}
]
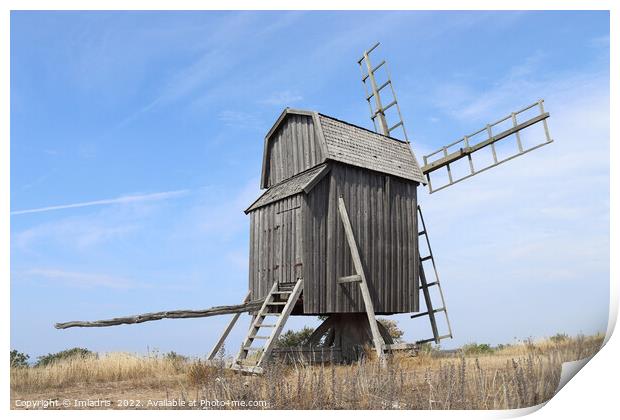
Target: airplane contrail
[{"x": 118, "y": 200}]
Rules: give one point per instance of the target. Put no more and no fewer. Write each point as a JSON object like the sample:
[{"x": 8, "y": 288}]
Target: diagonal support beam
[
  {"x": 226, "y": 331},
  {"x": 357, "y": 263}
]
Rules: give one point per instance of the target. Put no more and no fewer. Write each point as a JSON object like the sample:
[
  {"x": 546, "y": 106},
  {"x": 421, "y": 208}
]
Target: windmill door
[{"x": 288, "y": 266}]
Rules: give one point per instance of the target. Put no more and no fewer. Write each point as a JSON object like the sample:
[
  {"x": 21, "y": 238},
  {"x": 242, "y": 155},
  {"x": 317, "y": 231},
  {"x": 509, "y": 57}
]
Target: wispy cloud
[
  {"x": 240, "y": 119},
  {"x": 535, "y": 242},
  {"x": 520, "y": 85},
  {"x": 80, "y": 232},
  {"x": 118, "y": 200},
  {"x": 282, "y": 98},
  {"x": 79, "y": 279}
]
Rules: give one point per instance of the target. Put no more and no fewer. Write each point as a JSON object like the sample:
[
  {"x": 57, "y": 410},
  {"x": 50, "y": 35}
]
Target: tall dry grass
[
  {"x": 513, "y": 377},
  {"x": 94, "y": 369}
]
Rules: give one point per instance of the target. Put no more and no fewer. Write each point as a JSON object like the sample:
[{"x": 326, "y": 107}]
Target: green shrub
[
  {"x": 19, "y": 359},
  {"x": 559, "y": 338},
  {"x": 474, "y": 349},
  {"x": 175, "y": 357},
  {"x": 294, "y": 338},
  {"x": 428, "y": 349},
  {"x": 392, "y": 327},
  {"x": 75, "y": 352}
]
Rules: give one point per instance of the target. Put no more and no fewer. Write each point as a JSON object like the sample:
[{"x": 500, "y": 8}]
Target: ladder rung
[
  {"x": 283, "y": 292},
  {"x": 388, "y": 106},
  {"x": 422, "y": 232},
  {"x": 428, "y": 340},
  {"x": 395, "y": 125},
  {"x": 369, "y": 97},
  {"x": 428, "y": 257},
  {"x": 265, "y": 325},
  {"x": 260, "y": 337},
  {"x": 248, "y": 348},
  {"x": 373, "y": 70},
  {"x": 367, "y": 53},
  {"x": 427, "y": 313},
  {"x": 382, "y": 111},
  {"x": 277, "y": 303}
]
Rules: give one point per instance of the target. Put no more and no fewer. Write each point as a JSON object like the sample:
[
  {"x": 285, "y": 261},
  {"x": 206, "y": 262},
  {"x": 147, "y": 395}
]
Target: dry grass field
[{"x": 510, "y": 377}]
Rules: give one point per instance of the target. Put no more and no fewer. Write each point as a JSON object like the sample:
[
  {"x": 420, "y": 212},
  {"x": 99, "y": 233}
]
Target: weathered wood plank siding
[
  {"x": 292, "y": 149},
  {"x": 276, "y": 252},
  {"x": 382, "y": 209}
]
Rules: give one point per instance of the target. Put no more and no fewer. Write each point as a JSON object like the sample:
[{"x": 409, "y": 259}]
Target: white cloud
[
  {"x": 78, "y": 279},
  {"x": 240, "y": 119},
  {"x": 543, "y": 217},
  {"x": 75, "y": 232},
  {"x": 519, "y": 87},
  {"x": 283, "y": 98},
  {"x": 118, "y": 200},
  {"x": 225, "y": 217},
  {"x": 117, "y": 218}
]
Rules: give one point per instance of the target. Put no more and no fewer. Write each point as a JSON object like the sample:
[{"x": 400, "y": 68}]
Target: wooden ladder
[
  {"x": 425, "y": 285},
  {"x": 278, "y": 303}
]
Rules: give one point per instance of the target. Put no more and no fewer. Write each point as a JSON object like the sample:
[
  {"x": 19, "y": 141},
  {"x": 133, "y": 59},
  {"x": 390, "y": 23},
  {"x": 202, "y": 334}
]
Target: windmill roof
[
  {"x": 358, "y": 146},
  {"x": 304, "y": 181},
  {"x": 348, "y": 143}
]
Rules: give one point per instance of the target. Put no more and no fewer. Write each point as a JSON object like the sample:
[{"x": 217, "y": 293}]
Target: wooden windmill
[{"x": 336, "y": 232}]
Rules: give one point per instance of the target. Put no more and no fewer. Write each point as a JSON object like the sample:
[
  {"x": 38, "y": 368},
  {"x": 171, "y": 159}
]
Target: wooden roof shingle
[
  {"x": 300, "y": 182},
  {"x": 358, "y": 146}
]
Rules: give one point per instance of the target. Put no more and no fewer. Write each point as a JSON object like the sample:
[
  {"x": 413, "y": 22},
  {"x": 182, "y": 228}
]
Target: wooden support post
[
  {"x": 357, "y": 263},
  {"x": 227, "y": 330}
]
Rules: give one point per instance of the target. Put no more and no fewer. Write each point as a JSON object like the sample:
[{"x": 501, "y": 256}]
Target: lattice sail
[
  {"x": 375, "y": 80},
  {"x": 472, "y": 146}
]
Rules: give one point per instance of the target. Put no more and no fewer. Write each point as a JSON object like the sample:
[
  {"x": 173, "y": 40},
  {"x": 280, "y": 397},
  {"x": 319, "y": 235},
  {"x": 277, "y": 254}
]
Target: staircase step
[
  {"x": 399, "y": 346},
  {"x": 282, "y": 308},
  {"x": 253, "y": 370}
]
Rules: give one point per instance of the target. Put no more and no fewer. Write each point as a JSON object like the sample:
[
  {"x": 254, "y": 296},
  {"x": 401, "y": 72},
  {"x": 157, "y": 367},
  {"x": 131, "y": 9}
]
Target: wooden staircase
[{"x": 278, "y": 305}]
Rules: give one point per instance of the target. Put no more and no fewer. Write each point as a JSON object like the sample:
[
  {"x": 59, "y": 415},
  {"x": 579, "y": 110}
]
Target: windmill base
[{"x": 341, "y": 338}]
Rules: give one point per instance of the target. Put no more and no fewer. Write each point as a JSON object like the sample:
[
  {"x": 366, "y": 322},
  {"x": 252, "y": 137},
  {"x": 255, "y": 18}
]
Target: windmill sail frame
[
  {"x": 442, "y": 158},
  {"x": 378, "y": 112}
]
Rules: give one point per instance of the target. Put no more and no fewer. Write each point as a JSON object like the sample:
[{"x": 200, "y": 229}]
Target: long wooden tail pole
[
  {"x": 156, "y": 316},
  {"x": 357, "y": 263}
]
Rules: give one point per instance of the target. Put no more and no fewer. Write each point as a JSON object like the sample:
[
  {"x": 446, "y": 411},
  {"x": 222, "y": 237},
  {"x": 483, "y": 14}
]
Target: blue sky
[{"x": 152, "y": 123}]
